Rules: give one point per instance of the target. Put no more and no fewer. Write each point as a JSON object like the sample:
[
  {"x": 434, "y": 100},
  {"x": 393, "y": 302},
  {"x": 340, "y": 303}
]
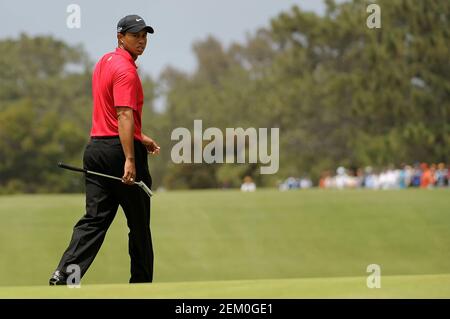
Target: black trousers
[{"x": 103, "y": 197}]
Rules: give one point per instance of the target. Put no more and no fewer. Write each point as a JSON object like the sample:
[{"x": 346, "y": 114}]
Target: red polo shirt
[{"x": 115, "y": 83}]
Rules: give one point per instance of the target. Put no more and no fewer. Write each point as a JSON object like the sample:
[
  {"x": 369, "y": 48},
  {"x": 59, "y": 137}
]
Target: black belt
[{"x": 104, "y": 137}]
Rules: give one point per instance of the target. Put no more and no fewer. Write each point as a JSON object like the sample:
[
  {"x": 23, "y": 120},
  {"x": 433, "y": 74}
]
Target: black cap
[{"x": 134, "y": 24}]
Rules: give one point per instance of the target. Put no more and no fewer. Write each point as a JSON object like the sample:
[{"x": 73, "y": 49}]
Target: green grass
[
  {"x": 415, "y": 286},
  {"x": 238, "y": 243}
]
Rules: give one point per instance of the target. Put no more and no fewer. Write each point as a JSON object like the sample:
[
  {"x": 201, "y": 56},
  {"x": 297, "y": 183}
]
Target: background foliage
[{"x": 341, "y": 94}]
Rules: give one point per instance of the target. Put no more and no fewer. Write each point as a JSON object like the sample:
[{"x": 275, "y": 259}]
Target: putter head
[{"x": 142, "y": 185}]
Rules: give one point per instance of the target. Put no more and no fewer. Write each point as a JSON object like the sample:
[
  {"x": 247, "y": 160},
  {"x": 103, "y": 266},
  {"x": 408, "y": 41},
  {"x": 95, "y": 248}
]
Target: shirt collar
[{"x": 126, "y": 55}]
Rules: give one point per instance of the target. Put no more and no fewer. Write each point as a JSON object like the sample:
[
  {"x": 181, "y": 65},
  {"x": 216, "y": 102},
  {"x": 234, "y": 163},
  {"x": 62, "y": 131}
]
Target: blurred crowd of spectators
[
  {"x": 421, "y": 175},
  {"x": 295, "y": 183}
]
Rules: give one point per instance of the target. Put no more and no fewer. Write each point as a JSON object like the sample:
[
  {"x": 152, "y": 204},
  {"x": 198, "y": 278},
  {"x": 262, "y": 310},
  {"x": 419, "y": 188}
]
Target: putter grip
[{"x": 72, "y": 168}]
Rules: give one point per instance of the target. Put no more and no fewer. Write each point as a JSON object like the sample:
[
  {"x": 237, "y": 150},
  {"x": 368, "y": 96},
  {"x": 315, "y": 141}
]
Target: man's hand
[
  {"x": 151, "y": 146},
  {"x": 129, "y": 172}
]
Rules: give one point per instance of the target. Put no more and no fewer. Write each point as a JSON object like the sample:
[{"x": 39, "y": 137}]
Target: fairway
[{"x": 307, "y": 243}]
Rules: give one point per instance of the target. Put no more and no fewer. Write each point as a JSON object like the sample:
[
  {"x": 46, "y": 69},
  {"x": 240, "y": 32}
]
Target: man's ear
[{"x": 120, "y": 37}]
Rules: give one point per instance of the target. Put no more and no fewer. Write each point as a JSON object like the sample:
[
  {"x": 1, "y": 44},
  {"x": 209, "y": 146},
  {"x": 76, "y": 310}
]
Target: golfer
[{"x": 116, "y": 147}]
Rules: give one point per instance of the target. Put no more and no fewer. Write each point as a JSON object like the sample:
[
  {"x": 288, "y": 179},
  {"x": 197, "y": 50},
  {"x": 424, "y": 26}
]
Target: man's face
[{"x": 134, "y": 43}]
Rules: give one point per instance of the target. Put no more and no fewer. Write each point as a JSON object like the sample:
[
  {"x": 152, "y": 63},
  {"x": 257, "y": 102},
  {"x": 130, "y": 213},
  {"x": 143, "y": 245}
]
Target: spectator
[
  {"x": 416, "y": 176},
  {"x": 359, "y": 178},
  {"x": 341, "y": 178},
  {"x": 248, "y": 185},
  {"x": 427, "y": 179},
  {"x": 323, "y": 179},
  {"x": 441, "y": 175},
  {"x": 409, "y": 172},
  {"x": 305, "y": 182},
  {"x": 402, "y": 177}
]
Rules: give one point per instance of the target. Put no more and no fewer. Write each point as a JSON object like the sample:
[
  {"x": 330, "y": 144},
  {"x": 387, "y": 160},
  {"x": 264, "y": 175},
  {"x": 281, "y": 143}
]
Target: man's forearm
[{"x": 126, "y": 131}]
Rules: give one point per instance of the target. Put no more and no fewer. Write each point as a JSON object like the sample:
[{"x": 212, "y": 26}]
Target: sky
[{"x": 177, "y": 23}]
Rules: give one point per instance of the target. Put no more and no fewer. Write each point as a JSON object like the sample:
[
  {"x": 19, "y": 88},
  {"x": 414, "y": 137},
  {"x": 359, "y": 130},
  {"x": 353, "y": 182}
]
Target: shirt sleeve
[{"x": 125, "y": 89}]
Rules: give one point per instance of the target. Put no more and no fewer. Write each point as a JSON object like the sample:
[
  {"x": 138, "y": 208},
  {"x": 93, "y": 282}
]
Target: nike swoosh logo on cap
[{"x": 138, "y": 20}]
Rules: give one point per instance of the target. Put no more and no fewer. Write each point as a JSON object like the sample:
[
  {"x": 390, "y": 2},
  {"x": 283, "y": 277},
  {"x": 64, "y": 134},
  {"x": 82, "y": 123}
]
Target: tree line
[{"x": 339, "y": 92}]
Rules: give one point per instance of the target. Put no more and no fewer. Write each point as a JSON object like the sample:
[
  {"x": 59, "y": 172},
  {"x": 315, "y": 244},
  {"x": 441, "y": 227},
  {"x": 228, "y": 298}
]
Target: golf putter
[{"x": 141, "y": 184}]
